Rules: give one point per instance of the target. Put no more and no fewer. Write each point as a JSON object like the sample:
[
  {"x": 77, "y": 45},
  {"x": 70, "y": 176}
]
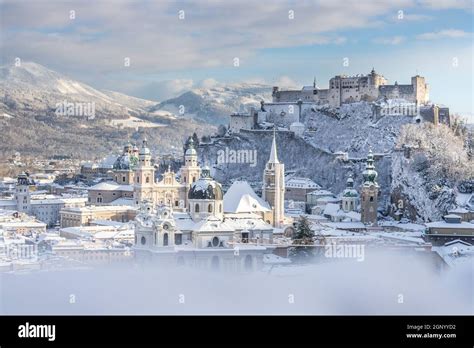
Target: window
[
  {"x": 176, "y": 203},
  {"x": 209, "y": 208},
  {"x": 165, "y": 239},
  {"x": 123, "y": 179},
  {"x": 196, "y": 208},
  {"x": 147, "y": 180},
  {"x": 248, "y": 264},
  {"x": 371, "y": 198},
  {"x": 220, "y": 208},
  {"x": 143, "y": 240},
  {"x": 194, "y": 179},
  {"x": 215, "y": 242},
  {"x": 178, "y": 239}
]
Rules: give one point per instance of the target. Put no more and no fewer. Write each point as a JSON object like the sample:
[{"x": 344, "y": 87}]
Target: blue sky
[{"x": 169, "y": 55}]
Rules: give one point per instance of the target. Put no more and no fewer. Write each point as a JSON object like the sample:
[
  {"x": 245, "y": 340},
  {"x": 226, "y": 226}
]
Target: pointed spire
[
  {"x": 273, "y": 152},
  {"x": 314, "y": 82}
]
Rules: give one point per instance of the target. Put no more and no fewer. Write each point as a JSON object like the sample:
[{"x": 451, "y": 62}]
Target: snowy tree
[{"x": 303, "y": 240}]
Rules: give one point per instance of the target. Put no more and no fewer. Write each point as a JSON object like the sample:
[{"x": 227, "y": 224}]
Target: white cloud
[
  {"x": 395, "y": 40},
  {"x": 444, "y": 34},
  {"x": 162, "y": 90},
  {"x": 156, "y": 40},
  {"x": 208, "y": 83}
]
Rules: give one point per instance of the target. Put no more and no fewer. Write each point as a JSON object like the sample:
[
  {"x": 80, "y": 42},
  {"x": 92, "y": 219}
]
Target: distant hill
[
  {"x": 30, "y": 124},
  {"x": 214, "y": 105}
]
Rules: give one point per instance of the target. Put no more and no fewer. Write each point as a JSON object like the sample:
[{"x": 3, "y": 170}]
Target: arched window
[
  {"x": 194, "y": 179},
  {"x": 165, "y": 239},
  {"x": 248, "y": 263},
  {"x": 184, "y": 179},
  {"x": 147, "y": 180},
  {"x": 215, "y": 242},
  {"x": 371, "y": 198},
  {"x": 143, "y": 240},
  {"x": 196, "y": 208},
  {"x": 209, "y": 208}
]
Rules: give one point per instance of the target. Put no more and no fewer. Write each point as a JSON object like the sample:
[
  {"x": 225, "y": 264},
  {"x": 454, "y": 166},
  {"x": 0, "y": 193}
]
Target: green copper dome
[{"x": 370, "y": 174}]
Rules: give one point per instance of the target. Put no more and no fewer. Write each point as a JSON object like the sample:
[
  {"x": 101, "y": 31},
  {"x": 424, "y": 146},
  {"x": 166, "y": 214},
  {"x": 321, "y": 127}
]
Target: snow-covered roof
[
  {"x": 331, "y": 209},
  {"x": 212, "y": 225},
  {"x": 240, "y": 198},
  {"x": 353, "y": 215},
  {"x": 455, "y": 253},
  {"x": 111, "y": 186},
  {"x": 444, "y": 224},
  {"x": 123, "y": 201},
  {"x": 237, "y": 222},
  {"x": 299, "y": 182},
  {"x": 321, "y": 193}
]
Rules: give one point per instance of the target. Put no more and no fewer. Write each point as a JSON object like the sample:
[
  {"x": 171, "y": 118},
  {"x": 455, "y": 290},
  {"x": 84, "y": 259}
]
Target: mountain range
[{"x": 31, "y": 95}]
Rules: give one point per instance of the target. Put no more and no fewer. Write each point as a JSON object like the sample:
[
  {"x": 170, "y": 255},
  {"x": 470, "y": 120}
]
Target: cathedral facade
[{"x": 168, "y": 191}]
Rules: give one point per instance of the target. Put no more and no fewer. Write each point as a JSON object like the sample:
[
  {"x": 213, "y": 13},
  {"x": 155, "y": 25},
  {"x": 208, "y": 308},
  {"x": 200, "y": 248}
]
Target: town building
[
  {"x": 45, "y": 208},
  {"x": 83, "y": 216},
  {"x": 450, "y": 229}
]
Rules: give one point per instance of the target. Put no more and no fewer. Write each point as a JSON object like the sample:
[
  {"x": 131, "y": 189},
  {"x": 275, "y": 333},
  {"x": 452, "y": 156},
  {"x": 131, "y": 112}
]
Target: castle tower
[
  {"x": 191, "y": 171},
  {"x": 273, "y": 190},
  {"x": 144, "y": 176},
  {"x": 420, "y": 89},
  {"x": 369, "y": 192},
  {"x": 350, "y": 197},
  {"x": 22, "y": 193}
]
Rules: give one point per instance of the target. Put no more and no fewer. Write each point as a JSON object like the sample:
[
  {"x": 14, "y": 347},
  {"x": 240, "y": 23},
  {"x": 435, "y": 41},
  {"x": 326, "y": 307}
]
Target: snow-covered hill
[
  {"x": 32, "y": 86},
  {"x": 214, "y": 105},
  {"x": 29, "y": 123}
]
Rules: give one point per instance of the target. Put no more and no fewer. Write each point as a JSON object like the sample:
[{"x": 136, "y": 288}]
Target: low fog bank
[{"x": 384, "y": 283}]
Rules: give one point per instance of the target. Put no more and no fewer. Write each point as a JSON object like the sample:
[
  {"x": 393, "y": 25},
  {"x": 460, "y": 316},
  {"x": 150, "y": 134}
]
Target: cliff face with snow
[
  {"x": 430, "y": 168},
  {"x": 317, "y": 154},
  {"x": 336, "y": 146}
]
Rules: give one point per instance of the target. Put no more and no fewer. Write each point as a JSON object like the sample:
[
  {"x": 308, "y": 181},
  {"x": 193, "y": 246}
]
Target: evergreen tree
[{"x": 303, "y": 240}]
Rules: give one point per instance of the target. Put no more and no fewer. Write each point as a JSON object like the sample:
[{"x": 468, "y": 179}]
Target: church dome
[
  {"x": 205, "y": 187},
  {"x": 349, "y": 190}
]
